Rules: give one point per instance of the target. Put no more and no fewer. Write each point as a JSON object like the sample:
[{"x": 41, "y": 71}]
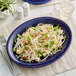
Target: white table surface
[
  {"x": 72, "y": 72},
  {"x": 36, "y": 13}
]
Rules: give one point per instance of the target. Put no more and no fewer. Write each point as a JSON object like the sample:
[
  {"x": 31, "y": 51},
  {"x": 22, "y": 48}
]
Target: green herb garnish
[
  {"x": 31, "y": 35},
  {"x": 44, "y": 54},
  {"x": 34, "y": 28},
  {"x": 64, "y": 37},
  {"x": 16, "y": 55},
  {"x": 57, "y": 32},
  {"x": 50, "y": 27},
  {"x": 19, "y": 36},
  {"x": 60, "y": 47},
  {"x": 15, "y": 49},
  {"x": 53, "y": 51},
  {"x": 15, "y": 40},
  {"x": 46, "y": 35},
  {"x": 46, "y": 46},
  {"x": 51, "y": 43},
  {"x": 39, "y": 39},
  {"x": 39, "y": 46},
  {"x": 25, "y": 48},
  {"x": 28, "y": 38},
  {"x": 28, "y": 61},
  {"x": 39, "y": 53},
  {"x": 56, "y": 28}
]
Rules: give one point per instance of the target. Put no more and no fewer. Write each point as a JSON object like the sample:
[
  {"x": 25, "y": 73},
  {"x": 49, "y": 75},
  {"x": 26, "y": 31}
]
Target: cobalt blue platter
[
  {"x": 37, "y": 2},
  {"x": 22, "y": 28}
]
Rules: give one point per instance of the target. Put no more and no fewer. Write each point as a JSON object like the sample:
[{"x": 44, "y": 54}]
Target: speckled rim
[{"x": 47, "y": 62}]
